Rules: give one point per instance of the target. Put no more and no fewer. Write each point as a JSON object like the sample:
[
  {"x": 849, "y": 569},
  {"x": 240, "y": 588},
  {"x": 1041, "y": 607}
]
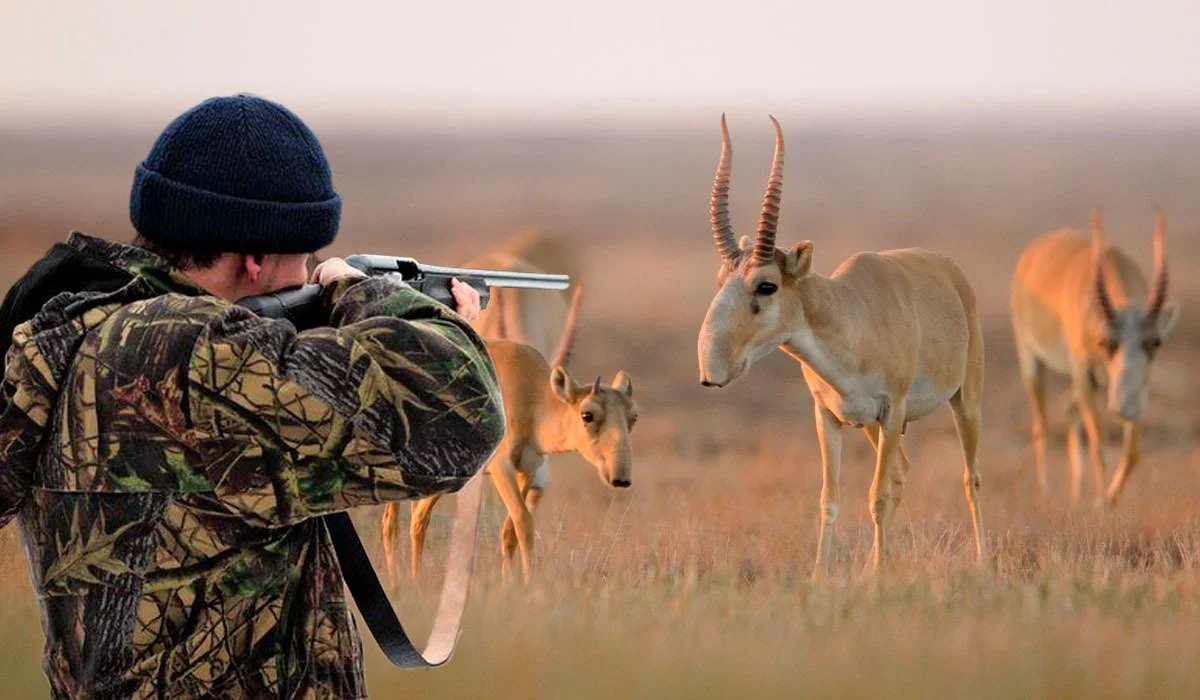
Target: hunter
[{"x": 166, "y": 452}]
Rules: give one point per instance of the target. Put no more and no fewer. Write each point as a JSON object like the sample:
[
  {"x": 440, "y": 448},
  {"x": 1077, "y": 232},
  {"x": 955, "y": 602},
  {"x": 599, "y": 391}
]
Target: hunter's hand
[
  {"x": 332, "y": 270},
  {"x": 466, "y": 299}
]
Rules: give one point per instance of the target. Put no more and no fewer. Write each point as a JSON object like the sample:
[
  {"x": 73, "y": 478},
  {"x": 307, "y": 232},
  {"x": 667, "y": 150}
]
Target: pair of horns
[
  {"x": 768, "y": 220},
  {"x": 1158, "y": 293}
]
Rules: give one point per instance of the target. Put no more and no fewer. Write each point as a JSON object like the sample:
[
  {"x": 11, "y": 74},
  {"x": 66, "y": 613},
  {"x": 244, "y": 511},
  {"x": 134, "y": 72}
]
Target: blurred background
[{"x": 969, "y": 128}]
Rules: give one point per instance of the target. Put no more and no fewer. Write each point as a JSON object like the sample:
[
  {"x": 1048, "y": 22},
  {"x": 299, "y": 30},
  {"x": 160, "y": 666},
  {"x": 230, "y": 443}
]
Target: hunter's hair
[
  {"x": 192, "y": 260},
  {"x": 179, "y": 259}
]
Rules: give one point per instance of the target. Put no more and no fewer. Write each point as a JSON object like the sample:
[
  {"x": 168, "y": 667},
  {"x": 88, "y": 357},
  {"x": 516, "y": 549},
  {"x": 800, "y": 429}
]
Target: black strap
[{"x": 373, "y": 602}]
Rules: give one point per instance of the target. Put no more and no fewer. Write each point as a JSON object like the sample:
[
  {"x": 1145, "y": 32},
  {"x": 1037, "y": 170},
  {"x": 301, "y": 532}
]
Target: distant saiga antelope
[
  {"x": 547, "y": 413},
  {"x": 1084, "y": 310},
  {"x": 886, "y": 340}
]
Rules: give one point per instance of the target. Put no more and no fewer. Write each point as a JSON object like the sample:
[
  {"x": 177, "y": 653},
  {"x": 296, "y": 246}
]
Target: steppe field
[{"x": 694, "y": 583}]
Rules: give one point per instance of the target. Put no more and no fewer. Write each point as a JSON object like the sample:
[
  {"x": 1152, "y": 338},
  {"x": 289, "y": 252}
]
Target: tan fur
[
  {"x": 531, "y": 316},
  {"x": 1059, "y": 326},
  {"x": 886, "y": 340},
  {"x": 535, "y": 317},
  {"x": 544, "y": 409},
  {"x": 554, "y": 253}
]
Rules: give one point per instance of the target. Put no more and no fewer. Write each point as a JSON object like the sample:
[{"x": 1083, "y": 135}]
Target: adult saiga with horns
[
  {"x": 887, "y": 339},
  {"x": 1085, "y": 310}
]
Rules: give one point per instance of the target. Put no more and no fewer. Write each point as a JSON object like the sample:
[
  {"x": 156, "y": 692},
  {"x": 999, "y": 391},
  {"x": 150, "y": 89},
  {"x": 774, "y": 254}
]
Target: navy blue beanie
[{"x": 236, "y": 174}]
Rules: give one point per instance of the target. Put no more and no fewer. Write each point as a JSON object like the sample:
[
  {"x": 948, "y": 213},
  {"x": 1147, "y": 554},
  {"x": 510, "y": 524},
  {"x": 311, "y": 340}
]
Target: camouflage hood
[
  {"x": 166, "y": 453},
  {"x": 82, "y": 264}
]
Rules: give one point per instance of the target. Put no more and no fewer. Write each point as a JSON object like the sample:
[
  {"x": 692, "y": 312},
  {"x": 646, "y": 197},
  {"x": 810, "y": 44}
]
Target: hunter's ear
[
  {"x": 623, "y": 383},
  {"x": 562, "y": 384},
  {"x": 799, "y": 259},
  {"x": 1168, "y": 317},
  {"x": 253, "y": 265}
]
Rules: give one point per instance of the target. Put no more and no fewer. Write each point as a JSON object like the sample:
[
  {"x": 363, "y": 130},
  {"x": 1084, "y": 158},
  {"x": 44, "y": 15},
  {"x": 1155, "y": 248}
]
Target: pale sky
[{"x": 506, "y": 58}]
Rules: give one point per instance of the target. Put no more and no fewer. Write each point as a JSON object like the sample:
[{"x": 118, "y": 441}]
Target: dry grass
[{"x": 695, "y": 582}]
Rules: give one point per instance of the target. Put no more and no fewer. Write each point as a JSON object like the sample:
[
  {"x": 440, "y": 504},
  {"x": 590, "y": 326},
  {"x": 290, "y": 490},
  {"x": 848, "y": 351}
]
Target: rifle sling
[{"x": 373, "y": 602}]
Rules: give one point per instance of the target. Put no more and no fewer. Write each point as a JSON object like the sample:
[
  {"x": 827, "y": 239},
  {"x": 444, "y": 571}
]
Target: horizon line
[{"x": 383, "y": 118}]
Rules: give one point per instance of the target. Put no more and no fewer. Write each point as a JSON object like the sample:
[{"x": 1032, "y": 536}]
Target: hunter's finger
[
  {"x": 466, "y": 299},
  {"x": 315, "y": 278}
]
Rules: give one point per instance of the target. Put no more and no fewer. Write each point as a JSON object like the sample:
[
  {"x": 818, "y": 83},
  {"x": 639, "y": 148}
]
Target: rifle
[{"x": 305, "y": 307}]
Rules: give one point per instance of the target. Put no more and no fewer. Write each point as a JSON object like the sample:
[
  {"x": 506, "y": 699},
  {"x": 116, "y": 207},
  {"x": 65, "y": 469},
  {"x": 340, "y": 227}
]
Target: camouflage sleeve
[
  {"x": 398, "y": 400},
  {"x": 24, "y": 410}
]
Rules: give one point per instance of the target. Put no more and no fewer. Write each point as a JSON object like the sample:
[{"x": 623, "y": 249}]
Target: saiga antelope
[
  {"x": 556, "y": 253},
  {"x": 530, "y": 316},
  {"x": 1085, "y": 310},
  {"x": 547, "y": 413},
  {"x": 886, "y": 340}
]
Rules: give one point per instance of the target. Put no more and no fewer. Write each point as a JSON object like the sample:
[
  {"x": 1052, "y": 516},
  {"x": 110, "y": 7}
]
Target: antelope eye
[
  {"x": 588, "y": 417},
  {"x": 766, "y": 289},
  {"x": 1110, "y": 346},
  {"x": 1152, "y": 344},
  {"x": 632, "y": 421}
]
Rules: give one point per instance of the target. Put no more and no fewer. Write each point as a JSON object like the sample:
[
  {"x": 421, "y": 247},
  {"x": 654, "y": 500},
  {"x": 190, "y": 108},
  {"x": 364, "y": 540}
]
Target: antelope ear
[
  {"x": 744, "y": 244},
  {"x": 623, "y": 383},
  {"x": 562, "y": 384},
  {"x": 1168, "y": 317},
  {"x": 799, "y": 259}
]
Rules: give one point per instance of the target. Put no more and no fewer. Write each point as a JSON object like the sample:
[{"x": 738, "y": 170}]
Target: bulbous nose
[
  {"x": 622, "y": 483},
  {"x": 1127, "y": 407}
]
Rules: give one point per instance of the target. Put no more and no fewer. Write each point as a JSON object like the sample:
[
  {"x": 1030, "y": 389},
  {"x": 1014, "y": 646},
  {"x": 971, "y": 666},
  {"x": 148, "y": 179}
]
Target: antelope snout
[
  {"x": 622, "y": 483},
  {"x": 1128, "y": 410},
  {"x": 718, "y": 375},
  {"x": 1128, "y": 405}
]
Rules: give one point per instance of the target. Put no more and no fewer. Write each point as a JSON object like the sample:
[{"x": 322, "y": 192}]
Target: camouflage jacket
[{"x": 165, "y": 452}]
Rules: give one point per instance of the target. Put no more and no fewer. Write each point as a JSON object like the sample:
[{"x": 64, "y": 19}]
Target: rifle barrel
[
  {"x": 503, "y": 278},
  {"x": 493, "y": 278}
]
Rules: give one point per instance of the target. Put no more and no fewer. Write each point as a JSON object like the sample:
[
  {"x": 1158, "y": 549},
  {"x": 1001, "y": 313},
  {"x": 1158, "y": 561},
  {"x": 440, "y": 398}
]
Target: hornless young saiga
[
  {"x": 1085, "y": 310},
  {"x": 533, "y": 317},
  {"x": 546, "y": 413},
  {"x": 886, "y": 340}
]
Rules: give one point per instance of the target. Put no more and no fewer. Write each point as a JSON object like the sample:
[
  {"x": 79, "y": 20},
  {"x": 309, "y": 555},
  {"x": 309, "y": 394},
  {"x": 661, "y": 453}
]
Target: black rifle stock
[{"x": 305, "y": 306}]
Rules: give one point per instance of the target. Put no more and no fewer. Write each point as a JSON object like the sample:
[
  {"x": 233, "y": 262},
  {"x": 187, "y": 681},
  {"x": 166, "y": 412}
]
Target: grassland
[{"x": 695, "y": 582}]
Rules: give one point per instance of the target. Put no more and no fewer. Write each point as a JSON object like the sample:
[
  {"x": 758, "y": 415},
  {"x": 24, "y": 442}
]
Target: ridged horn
[
  {"x": 768, "y": 219},
  {"x": 1099, "y": 246},
  {"x": 718, "y": 206},
  {"x": 566, "y": 343},
  {"x": 1158, "y": 295}
]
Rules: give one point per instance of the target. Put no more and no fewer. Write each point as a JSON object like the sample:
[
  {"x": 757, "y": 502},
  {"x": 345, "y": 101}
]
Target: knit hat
[{"x": 236, "y": 174}]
